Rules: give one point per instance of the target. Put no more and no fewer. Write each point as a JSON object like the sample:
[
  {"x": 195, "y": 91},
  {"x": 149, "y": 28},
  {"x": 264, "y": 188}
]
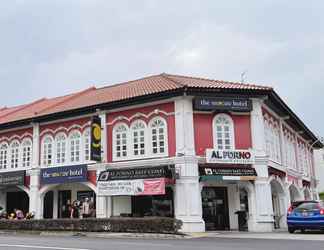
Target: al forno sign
[{"x": 230, "y": 156}]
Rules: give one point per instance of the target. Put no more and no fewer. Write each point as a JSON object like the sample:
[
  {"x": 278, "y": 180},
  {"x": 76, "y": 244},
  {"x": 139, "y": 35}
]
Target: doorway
[
  {"x": 48, "y": 205},
  {"x": 215, "y": 208},
  {"x": 18, "y": 200},
  {"x": 64, "y": 200}
]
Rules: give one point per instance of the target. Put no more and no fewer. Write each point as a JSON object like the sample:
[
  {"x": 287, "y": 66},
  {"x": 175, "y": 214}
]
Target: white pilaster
[
  {"x": 102, "y": 203},
  {"x": 35, "y": 204},
  {"x": 36, "y": 145},
  {"x": 187, "y": 195},
  {"x": 263, "y": 195}
]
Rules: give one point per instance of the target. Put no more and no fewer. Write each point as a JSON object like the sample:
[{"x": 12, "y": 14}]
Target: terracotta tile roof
[{"x": 118, "y": 92}]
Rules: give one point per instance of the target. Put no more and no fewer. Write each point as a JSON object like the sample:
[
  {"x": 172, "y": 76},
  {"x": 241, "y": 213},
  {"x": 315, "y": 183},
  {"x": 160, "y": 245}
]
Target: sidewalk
[{"x": 280, "y": 235}]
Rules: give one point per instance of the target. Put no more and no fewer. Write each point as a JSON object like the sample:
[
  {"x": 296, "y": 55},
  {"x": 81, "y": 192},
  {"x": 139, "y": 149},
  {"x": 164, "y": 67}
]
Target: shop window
[
  {"x": 26, "y": 153},
  {"x": 158, "y": 136},
  {"x": 157, "y": 205},
  {"x": 3, "y": 156},
  {"x": 47, "y": 151},
  {"x": 14, "y": 155},
  {"x": 223, "y": 132},
  {"x": 86, "y": 138},
  {"x": 60, "y": 143},
  {"x": 138, "y": 130},
  {"x": 120, "y": 140},
  {"x": 75, "y": 146}
]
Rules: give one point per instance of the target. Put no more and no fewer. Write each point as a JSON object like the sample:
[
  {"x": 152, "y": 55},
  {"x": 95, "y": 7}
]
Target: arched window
[
  {"x": 138, "y": 138},
  {"x": 86, "y": 143},
  {"x": 120, "y": 135},
  {"x": 60, "y": 145},
  {"x": 47, "y": 151},
  {"x": 26, "y": 153},
  {"x": 3, "y": 156},
  {"x": 14, "y": 154},
  {"x": 158, "y": 129},
  {"x": 75, "y": 146},
  {"x": 223, "y": 132}
]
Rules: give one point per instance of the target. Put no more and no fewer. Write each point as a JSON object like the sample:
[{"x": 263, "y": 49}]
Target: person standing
[{"x": 85, "y": 208}]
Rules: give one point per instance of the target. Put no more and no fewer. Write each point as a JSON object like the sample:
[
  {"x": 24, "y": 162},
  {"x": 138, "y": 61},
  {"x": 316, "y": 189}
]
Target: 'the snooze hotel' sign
[
  {"x": 223, "y": 104},
  {"x": 230, "y": 156}
]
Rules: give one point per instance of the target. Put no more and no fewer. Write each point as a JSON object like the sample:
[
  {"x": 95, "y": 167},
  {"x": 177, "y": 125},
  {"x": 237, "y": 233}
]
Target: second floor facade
[{"x": 148, "y": 131}]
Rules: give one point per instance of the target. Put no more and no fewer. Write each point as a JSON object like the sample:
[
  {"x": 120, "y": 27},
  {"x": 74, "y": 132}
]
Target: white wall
[
  {"x": 122, "y": 204},
  {"x": 319, "y": 168}
]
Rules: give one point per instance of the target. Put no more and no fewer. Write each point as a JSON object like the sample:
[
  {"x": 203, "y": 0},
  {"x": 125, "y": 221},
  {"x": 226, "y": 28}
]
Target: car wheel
[{"x": 291, "y": 230}]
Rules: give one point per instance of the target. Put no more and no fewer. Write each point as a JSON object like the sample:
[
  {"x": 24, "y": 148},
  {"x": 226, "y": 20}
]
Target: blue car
[{"x": 308, "y": 215}]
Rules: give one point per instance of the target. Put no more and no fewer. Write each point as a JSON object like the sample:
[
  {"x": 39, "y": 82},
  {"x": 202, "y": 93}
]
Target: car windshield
[{"x": 310, "y": 206}]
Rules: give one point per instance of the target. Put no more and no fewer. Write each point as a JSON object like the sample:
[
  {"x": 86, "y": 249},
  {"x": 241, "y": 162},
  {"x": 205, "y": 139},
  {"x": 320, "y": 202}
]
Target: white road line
[{"x": 42, "y": 247}]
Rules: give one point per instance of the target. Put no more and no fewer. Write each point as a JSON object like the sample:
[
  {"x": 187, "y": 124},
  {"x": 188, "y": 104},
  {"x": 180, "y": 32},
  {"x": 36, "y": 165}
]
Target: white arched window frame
[
  {"x": 15, "y": 154},
  {"x": 3, "y": 155},
  {"x": 47, "y": 150},
  {"x": 86, "y": 144},
  {"x": 138, "y": 138},
  {"x": 75, "y": 146},
  {"x": 120, "y": 141},
  {"x": 223, "y": 132},
  {"x": 60, "y": 148},
  {"x": 158, "y": 137},
  {"x": 26, "y": 148}
]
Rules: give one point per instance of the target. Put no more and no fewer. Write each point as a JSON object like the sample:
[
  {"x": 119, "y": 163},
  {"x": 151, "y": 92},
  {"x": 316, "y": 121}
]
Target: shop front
[
  {"x": 227, "y": 186},
  {"x": 64, "y": 188},
  {"x": 139, "y": 192},
  {"x": 14, "y": 194}
]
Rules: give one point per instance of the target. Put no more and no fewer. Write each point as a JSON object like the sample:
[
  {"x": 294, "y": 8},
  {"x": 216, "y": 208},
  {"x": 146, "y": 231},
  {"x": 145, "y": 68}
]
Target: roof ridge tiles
[
  {"x": 68, "y": 98},
  {"x": 131, "y": 81},
  {"x": 218, "y": 81},
  {"x": 22, "y": 107},
  {"x": 165, "y": 75}
]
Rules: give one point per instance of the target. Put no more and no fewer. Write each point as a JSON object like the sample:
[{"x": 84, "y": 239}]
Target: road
[{"x": 23, "y": 242}]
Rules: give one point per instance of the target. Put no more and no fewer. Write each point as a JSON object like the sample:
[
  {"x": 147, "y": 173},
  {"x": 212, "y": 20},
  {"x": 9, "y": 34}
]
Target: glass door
[{"x": 215, "y": 208}]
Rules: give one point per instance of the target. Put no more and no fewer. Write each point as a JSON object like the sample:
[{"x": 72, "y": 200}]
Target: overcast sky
[{"x": 54, "y": 47}]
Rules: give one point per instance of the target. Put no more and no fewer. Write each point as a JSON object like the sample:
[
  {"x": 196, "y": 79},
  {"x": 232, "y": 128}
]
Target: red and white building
[{"x": 229, "y": 147}]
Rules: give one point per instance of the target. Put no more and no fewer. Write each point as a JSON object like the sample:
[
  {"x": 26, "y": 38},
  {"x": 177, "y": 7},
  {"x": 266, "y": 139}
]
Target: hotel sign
[
  {"x": 223, "y": 104},
  {"x": 56, "y": 175},
  {"x": 230, "y": 156}
]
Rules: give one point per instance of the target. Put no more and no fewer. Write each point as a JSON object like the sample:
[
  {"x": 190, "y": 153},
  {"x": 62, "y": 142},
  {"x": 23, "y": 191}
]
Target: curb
[{"x": 97, "y": 234}]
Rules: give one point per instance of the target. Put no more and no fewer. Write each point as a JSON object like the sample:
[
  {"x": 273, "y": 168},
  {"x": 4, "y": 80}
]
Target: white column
[
  {"x": 187, "y": 195},
  {"x": 263, "y": 195},
  {"x": 36, "y": 145},
  {"x": 55, "y": 204},
  {"x": 101, "y": 203},
  {"x": 35, "y": 203}
]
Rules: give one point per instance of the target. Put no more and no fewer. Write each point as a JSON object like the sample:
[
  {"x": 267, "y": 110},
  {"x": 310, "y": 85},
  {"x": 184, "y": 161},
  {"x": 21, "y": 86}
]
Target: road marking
[{"x": 42, "y": 247}]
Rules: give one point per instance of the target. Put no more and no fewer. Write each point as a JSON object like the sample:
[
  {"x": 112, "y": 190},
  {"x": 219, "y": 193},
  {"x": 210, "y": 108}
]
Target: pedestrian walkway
[{"x": 279, "y": 235}]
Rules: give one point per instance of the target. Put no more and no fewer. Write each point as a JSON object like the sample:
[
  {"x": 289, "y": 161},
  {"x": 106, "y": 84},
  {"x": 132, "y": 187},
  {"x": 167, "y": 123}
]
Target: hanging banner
[
  {"x": 131, "y": 187},
  {"x": 95, "y": 147},
  {"x": 230, "y": 156}
]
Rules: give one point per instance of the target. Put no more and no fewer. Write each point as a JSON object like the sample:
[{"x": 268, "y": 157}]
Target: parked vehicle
[{"x": 306, "y": 215}]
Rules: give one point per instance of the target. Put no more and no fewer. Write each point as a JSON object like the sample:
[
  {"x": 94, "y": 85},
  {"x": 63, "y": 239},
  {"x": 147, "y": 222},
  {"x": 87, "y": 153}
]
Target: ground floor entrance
[
  {"x": 215, "y": 208},
  {"x": 17, "y": 200}
]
